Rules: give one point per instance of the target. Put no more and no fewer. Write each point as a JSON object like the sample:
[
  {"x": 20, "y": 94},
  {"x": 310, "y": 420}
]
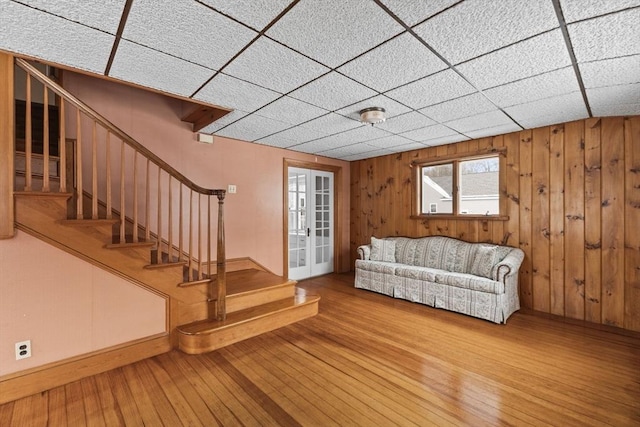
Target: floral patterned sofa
[{"x": 476, "y": 279}]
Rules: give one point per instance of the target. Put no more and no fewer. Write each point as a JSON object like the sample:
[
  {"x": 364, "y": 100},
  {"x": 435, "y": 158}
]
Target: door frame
[{"x": 337, "y": 206}]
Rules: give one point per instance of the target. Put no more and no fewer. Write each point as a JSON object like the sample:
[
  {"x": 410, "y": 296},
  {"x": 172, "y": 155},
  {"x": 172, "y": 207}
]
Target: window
[{"x": 468, "y": 186}]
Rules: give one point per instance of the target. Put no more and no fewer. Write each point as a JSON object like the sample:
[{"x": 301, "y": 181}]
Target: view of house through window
[{"x": 477, "y": 189}]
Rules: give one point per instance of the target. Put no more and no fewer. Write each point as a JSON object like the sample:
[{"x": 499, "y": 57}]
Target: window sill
[{"x": 462, "y": 217}]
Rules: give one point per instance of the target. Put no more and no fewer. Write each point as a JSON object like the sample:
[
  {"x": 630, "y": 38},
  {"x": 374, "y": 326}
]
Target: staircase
[{"x": 141, "y": 219}]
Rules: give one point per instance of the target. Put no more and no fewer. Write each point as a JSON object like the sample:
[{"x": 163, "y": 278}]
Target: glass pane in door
[
  {"x": 322, "y": 209},
  {"x": 297, "y": 219}
]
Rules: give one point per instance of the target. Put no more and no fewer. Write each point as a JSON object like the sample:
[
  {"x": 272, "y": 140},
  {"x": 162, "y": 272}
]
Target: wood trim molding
[
  {"x": 25, "y": 383},
  {"x": 7, "y": 138},
  {"x": 337, "y": 206}
]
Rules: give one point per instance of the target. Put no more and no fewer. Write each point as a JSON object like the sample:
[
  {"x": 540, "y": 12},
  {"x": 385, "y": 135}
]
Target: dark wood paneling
[{"x": 573, "y": 201}]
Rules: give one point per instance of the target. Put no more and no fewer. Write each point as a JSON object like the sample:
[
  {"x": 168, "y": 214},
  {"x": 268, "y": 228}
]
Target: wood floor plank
[
  {"x": 367, "y": 359},
  {"x": 215, "y": 405},
  {"x": 126, "y": 404},
  {"x": 188, "y": 403},
  {"x": 6, "y": 414},
  {"x": 146, "y": 406},
  {"x": 57, "y": 407},
  {"x": 75, "y": 404},
  {"x": 92, "y": 406}
]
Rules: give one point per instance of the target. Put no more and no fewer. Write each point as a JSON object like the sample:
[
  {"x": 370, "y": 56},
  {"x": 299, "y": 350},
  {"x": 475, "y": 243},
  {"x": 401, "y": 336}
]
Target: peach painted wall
[
  {"x": 66, "y": 306},
  {"x": 254, "y": 215}
]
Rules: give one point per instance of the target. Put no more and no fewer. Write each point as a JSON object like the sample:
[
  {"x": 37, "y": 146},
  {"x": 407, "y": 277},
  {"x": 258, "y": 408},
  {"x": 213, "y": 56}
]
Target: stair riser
[
  {"x": 206, "y": 342},
  {"x": 238, "y": 302}
]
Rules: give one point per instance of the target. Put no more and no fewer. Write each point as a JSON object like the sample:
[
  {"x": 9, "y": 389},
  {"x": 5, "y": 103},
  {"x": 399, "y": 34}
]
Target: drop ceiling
[{"x": 296, "y": 73}]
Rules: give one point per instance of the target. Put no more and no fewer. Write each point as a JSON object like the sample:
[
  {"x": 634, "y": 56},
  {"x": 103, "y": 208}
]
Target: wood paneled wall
[{"x": 573, "y": 201}]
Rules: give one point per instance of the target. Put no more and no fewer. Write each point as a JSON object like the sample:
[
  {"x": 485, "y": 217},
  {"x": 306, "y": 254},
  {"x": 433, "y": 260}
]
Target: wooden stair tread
[
  {"x": 42, "y": 194},
  {"x": 249, "y": 314},
  {"x": 166, "y": 265},
  {"x": 130, "y": 245},
  {"x": 249, "y": 280},
  {"x": 88, "y": 222},
  {"x": 194, "y": 283}
]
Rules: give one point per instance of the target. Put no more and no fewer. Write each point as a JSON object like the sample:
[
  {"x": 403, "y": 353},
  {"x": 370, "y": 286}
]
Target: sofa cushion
[
  {"x": 458, "y": 280},
  {"x": 376, "y": 266},
  {"x": 443, "y": 253},
  {"x": 484, "y": 260},
  {"x": 383, "y": 250}
]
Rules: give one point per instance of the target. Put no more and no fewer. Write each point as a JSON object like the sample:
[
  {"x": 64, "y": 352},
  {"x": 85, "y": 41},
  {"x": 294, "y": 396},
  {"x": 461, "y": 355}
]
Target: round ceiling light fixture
[{"x": 372, "y": 116}]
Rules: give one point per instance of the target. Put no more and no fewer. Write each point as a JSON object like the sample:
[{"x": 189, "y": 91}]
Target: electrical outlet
[
  {"x": 23, "y": 349},
  {"x": 232, "y": 189}
]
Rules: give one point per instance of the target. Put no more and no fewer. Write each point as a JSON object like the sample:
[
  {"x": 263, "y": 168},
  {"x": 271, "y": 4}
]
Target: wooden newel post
[{"x": 221, "y": 276}]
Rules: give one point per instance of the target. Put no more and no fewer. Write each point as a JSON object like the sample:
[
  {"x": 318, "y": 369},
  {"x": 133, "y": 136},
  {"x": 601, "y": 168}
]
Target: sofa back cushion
[
  {"x": 444, "y": 253},
  {"x": 383, "y": 250},
  {"x": 484, "y": 260}
]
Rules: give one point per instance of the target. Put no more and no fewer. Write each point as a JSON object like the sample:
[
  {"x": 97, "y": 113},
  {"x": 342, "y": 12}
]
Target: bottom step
[{"x": 208, "y": 335}]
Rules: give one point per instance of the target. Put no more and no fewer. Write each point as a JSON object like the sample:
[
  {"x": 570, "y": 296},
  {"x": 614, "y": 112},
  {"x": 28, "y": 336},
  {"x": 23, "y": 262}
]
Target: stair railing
[{"x": 113, "y": 155}]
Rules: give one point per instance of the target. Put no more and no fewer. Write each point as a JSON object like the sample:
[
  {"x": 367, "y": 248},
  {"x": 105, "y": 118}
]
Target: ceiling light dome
[{"x": 373, "y": 115}]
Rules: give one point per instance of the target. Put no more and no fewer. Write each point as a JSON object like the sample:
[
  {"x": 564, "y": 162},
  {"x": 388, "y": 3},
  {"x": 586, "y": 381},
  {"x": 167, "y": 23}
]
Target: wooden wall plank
[
  {"x": 574, "y": 219},
  {"x": 592, "y": 221},
  {"x": 632, "y": 219},
  {"x": 556, "y": 216},
  {"x": 526, "y": 290},
  {"x": 512, "y": 227},
  {"x": 7, "y": 140},
  {"x": 613, "y": 221},
  {"x": 540, "y": 227},
  {"x": 497, "y": 227}
]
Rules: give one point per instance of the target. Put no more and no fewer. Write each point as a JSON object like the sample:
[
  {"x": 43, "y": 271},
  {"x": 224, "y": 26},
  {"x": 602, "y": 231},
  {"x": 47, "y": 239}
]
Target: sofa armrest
[
  {"x": 364, "y": 252},
  {"x": 509, "y": 266}
]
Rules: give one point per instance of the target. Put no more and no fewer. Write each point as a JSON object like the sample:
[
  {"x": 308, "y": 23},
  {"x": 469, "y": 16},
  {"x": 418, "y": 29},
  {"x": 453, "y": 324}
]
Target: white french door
[{"x": 310, "y": 236}]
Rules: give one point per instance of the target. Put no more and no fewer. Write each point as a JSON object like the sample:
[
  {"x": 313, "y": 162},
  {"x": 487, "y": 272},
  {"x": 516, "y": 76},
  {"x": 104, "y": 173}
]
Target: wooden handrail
[{"x": 70, "y": 98}]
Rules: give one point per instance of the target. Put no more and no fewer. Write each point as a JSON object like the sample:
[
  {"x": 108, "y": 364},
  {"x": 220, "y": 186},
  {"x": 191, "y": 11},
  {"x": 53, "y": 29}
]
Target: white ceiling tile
[
  {"x": 150, "y": 68},
  {"x": 392, "y": 108},
  {"x": 469, "y": 105},
  {"x": 548, "y": 111},
  {"x": 610, "y": 72},
  {"x": 100, "y": 14},
  {"x": 533, "y": 88},
  {"x": 230, "y": 92},
  {"x": 362, "y": 134},
  {"x": 38, "y": 34},
  {"x": 179, "y": 28},
  {"x": 439, "y": 87},
  {"x": 368, "y": 155},
  {"x": 606, "y": 37},
  {"x": 322, "y": 144},
  {"x": 408, "y": 147},
  {"x": 493, "y": 131},
  {"x": 332, "y": 91},
  {"x": 332, "y": 123},
  {"x": 396, "y": 62},
  {"x": 293, "y": 136},
  {"x": 604, "y": 97},
  {"x": 444, "y": 140},
  {"x": 276, "y": 140},
  {"x": 406, "y": 122},
  {"x": 271, "y": 65},
  {"x": 224, "y": 121},
  {"x": 389, "y": 141},
  {"x": 411, "y": 12},
  {"x": 615, "y": 109},
  {"x": 291, "y": 110},
  {"x": 576, "y": 10},
  {"x": 334, "y": 31},
  {"x": 348, "y": 150},
  {"x": 537, "y": 55},
  {"x": 252, "y": 127},
  {"x": 430, "y": 132},
  {"x": 255, "y": 13},
  {"x": 480, "y": 121},
  {"x": 479, "y": 27}
]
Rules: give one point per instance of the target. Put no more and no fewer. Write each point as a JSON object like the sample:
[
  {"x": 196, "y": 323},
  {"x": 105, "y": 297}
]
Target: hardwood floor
[{"x": 368, "y": 360}]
